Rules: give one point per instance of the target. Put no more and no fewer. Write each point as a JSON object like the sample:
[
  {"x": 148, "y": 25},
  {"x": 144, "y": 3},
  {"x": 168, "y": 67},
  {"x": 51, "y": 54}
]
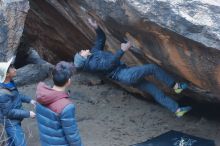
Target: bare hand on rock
[
  {"x": 126, "y": 46},
  {"x": 93, "y": 23}
]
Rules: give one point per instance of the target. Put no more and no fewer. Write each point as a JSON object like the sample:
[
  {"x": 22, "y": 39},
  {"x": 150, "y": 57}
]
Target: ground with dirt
[{"x": 109, "y": 116}]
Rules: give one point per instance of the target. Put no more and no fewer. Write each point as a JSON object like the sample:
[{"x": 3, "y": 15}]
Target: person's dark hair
[
  {"x": 10, "y": 66},
  {"x": 62, "y": 73}
]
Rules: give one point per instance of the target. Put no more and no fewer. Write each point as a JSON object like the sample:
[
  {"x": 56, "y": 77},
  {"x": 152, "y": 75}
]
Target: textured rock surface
[
  {"x": 33, "y": 73},
  {"x": 52, "y": 29},
  {"x": 181, "y": 36},
  {"x": 194, "y": 19},
  {"x": 12, "y": 17}
]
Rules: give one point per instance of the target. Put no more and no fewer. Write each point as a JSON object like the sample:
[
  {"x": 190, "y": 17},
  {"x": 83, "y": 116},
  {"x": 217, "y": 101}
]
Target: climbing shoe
[
  {"x": 182, "y": 111},
  {"x": 180, "y": 87}
]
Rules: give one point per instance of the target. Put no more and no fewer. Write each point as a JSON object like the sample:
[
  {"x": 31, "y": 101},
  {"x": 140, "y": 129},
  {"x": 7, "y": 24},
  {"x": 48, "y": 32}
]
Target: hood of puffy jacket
[{"x": 46, "y": 95}]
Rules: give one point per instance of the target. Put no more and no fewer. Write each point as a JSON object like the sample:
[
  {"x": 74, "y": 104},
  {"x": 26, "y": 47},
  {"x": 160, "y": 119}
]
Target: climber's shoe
[
  {"x": 182, "y": 111},
  {"x": 180, "y": 87}
]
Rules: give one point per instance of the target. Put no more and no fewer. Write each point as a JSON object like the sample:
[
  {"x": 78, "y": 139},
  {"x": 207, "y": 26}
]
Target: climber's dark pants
[{"x": 135, "y": 76}]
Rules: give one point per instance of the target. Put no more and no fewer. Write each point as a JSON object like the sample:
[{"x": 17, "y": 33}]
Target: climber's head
[{"x": 80, "y": 58}]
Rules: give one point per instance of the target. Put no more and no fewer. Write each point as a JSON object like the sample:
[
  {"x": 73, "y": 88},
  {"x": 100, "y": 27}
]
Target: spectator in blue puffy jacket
[
  {"x": 11, "y": 111},
  {"x": 55, "y": 112},
  {"x": 109, "y": 64}
]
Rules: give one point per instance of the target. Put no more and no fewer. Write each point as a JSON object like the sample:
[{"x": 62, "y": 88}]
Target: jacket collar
[{"x": 10, "y": 86}]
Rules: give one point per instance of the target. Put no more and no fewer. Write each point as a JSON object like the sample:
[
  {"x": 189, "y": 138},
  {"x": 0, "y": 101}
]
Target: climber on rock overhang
[{"x": 99, "y": 61}]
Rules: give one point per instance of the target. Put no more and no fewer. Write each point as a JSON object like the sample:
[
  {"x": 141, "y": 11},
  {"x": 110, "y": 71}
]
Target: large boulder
[
  {"x": 12, "y": 18},
  {"x": 183, "y": 37}
]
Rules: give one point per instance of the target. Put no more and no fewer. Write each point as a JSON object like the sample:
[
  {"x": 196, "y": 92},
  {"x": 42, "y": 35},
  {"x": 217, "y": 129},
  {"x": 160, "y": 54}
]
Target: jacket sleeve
[
  {"x": 119, "y": 54},
  {"x": 100, "y": 40},
  {"x": 7, "y": 111},
  {"x": 25, "y": 98},
  {"x": 69, "y": 125},
  {"x": 18, "y": 114}
]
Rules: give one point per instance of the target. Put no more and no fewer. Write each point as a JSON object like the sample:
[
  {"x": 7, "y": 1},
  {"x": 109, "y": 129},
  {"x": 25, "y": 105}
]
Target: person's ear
[{"x": 69, "y": 82}]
